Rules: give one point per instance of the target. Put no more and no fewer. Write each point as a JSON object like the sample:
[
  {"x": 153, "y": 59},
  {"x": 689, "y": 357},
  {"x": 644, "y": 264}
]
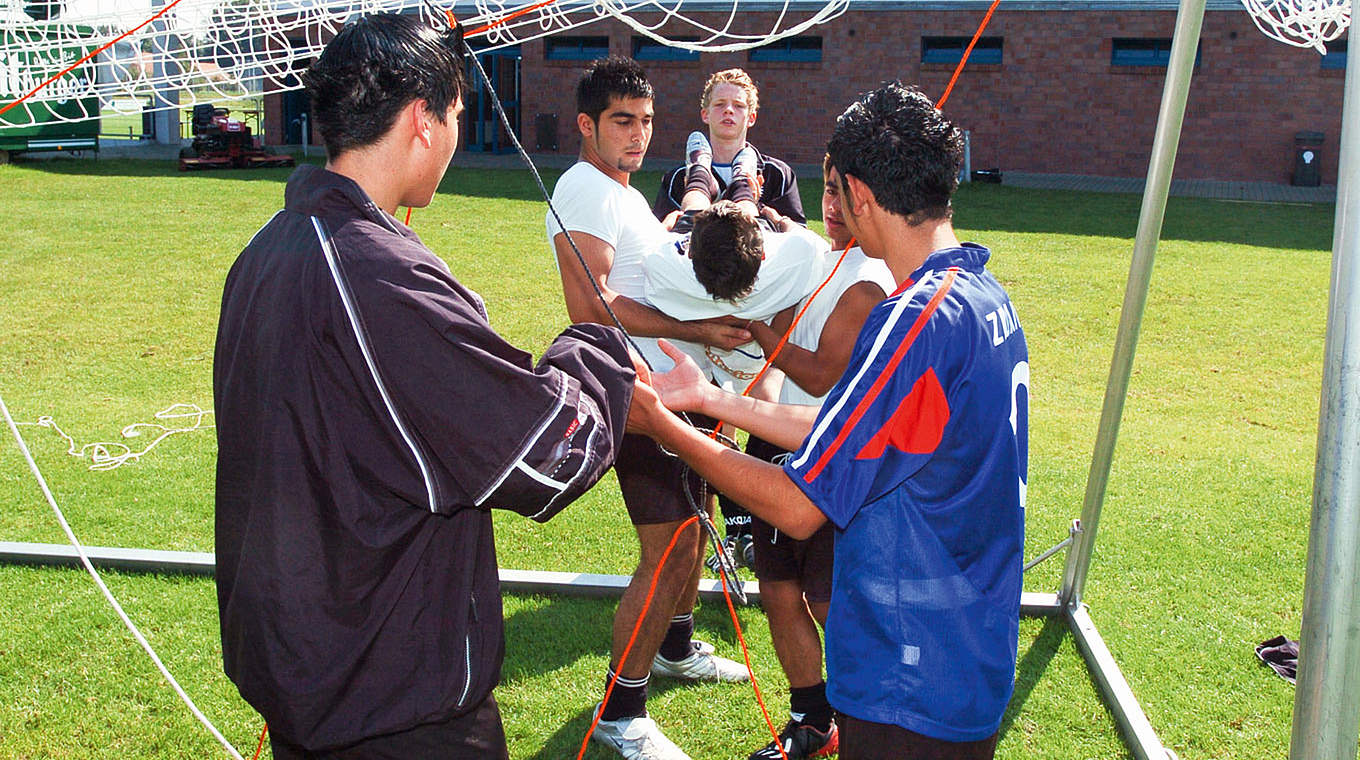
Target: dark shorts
[
  {"x": 864, "y": 740},
  {"x": 651, "y": 480},
  {"x": 780, "y": 558},
  {"x": 474, "y": 735}
]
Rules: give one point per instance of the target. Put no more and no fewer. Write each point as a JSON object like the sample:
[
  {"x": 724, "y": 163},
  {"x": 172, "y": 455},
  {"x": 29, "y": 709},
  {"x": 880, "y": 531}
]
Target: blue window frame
[
  {"x": 788, "y": 50},
  {"x": 1336, "y": 55},
  {"x": 950, "y": 49},
  {"x": 648, "y": 49},
  {"x": 576, "y": 48},
  {"x": 1144, "y": 52}
]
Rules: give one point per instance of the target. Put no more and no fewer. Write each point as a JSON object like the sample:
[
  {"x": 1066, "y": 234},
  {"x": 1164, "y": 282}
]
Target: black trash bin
[{"x": 1308, "y": 159}]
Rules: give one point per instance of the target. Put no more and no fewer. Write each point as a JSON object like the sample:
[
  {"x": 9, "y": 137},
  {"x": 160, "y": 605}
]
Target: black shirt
[
  {"x": 367, "y": 419},
  {"x": 779, "y": 189}
]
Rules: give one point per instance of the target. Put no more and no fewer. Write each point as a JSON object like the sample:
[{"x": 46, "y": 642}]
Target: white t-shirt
[
  {"x": 795, "y": 264},
  {"x": 590, "y": 201},
  {"x": 807, "y": 334}
]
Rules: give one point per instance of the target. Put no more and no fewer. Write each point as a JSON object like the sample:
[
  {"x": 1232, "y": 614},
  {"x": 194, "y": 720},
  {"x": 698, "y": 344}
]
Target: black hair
[
  {"x": 726, "y": 249},
  {"x": 373, "y": 68},
  {"x": 897, "y": 143},
  {"x": 607, "y": 79}
]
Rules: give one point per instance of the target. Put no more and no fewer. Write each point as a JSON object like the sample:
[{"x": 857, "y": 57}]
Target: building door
[
  {"x": 297, "y": 110},
  {"x": 485, "y": 132}
]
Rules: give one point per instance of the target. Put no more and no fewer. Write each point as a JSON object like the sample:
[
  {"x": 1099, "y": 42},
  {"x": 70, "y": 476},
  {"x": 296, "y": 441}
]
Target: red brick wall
[{"x": 1055, "y": 104}]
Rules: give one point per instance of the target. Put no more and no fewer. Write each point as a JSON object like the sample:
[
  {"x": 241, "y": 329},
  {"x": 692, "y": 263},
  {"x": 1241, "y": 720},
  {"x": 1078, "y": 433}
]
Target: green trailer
[{"x": 46, "y": 125}]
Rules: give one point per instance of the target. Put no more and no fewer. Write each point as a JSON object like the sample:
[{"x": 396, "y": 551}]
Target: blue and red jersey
[{"x": 918, "y": 457}]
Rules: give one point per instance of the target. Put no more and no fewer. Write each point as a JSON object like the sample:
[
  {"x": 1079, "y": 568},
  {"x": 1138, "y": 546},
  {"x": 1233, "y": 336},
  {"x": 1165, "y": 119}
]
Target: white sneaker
[
  {"x": 698, "y": 151},
  {"x": 701, "y": 665},
  {"x": 747, "y": 164},
  {"x": 636, "y": 739}
]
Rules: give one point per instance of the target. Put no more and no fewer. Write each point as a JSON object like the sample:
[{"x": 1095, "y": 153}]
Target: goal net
[{"x": 66, "y": 60}]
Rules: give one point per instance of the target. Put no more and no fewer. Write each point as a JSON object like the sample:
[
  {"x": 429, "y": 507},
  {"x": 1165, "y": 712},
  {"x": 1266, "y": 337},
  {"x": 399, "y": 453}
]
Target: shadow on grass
[
  {"x": 1031, "y": 668},
  {"x": 545, "y": 638},
  {"x": 977, "y": 206}
]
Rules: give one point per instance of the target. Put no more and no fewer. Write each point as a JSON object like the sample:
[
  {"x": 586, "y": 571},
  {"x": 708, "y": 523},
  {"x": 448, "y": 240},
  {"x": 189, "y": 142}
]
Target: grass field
[{"x": 109, "y": 288}]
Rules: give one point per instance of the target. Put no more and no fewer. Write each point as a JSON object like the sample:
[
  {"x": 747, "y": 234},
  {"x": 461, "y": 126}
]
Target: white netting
[
  {"x": 179, "y": 53},
  {"x": 1301, "y": 23}
]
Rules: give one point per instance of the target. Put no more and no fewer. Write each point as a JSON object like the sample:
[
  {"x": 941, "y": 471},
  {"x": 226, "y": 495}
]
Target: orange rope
[
  {"x": 498, "y": 22},
  {"x": 260, "y": 745},
  {"x": 651, "y": 591},
  {"x": 966, "y": 52},
  {"x": 746, "y": 655},
  {"x": 96, "y": 52}
]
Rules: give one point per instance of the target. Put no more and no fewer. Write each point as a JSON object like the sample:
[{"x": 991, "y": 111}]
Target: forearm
[
  {"x": 784, "y": 425},
  {"x": 812, "y": 373},
  {"x": 761, "y": 487}
]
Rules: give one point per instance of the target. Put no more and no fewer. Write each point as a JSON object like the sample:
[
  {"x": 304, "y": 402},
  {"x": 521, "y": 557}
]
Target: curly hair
[
  {"x": 897, "y": 143},
  {"x": 609, "y": 79},
  {"x": 373, "y": 68},
  {"x": 726, "y": 250},
  {"x": 732, "y": 76}
]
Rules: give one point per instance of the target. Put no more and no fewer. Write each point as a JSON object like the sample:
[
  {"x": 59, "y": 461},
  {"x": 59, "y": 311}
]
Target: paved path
[{"x": 1260, "y": 192}]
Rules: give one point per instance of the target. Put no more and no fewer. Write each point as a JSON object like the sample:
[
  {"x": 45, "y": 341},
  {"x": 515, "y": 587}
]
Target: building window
[
  {"x": 576, "y": 48},
  {"x": 950, "y": 50},
  {"x": 1336, "y": 55},
  {"x": 648, "y": 49},
  {"x": 789, "y": 50},
  {"x": 1144, "y": 52}
]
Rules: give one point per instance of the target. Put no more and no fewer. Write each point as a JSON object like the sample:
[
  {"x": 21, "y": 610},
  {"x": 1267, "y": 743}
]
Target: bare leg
[
  {"x": 678, "y": 582},
  {"x": 793, "y": 631}
]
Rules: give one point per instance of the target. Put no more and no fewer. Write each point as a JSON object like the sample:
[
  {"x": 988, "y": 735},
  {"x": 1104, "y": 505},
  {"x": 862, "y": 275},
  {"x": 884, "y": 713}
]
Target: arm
[
  {"x": 583, "y": 305},
  {"x": 783, "y": 197},
  {"x": 817, "y": 371},
  {"x": 685, "y": 388},
  {"x": 761, "y": 487}
]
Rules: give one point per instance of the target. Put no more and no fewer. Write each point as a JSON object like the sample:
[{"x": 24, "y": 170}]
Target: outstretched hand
[{"x": 684, "y": 387}]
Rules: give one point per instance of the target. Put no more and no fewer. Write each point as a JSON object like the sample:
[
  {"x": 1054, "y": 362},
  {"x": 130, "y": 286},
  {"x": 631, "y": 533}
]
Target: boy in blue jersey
[{"x": 917, "y": 456}]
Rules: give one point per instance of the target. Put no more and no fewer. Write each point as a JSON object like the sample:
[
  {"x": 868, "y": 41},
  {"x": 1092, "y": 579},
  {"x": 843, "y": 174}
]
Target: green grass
[{"x": 110, "y": 284}]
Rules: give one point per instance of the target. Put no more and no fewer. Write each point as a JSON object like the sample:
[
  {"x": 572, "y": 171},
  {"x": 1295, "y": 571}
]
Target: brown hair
[{"x": 726, "y": 249}]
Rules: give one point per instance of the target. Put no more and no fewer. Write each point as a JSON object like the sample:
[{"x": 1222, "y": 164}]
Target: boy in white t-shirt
[{"x": 613, "y": 230}]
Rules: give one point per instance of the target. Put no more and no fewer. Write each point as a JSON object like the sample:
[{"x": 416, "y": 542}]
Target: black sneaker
[{"x": 801, "y": 741}]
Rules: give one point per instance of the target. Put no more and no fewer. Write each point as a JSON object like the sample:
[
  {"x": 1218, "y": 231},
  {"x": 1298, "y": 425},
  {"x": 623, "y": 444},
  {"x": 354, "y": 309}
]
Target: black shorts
[
  {"x": 780, "y": 558},
  {"x": 650, "y": 480},
  {"x": 474, "y": 735},
  {"x": 865, "y": 740}
]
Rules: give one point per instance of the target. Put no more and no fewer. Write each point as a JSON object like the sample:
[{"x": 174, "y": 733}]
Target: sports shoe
[
  {"x": 698, "y": 151},
  {"x": 701, "y": 665},
  {"x": 636, "y": 739},
  {"x": 740, "y": 550},
  {"x": 800, "y": 741},
  {"x": 747, "y": 164}
]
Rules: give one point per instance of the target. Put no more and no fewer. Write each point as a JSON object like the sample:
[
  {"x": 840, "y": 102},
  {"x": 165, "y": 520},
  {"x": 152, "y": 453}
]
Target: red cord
[
  {"x": 260, "y": 745},
  {"x": 96, "y": 52},
  {"x": 746, "y": 655},
  {"x": 498, "y": 22},
  {"x": 966, "y": 52},
  {"x": 647, "y": 603}
]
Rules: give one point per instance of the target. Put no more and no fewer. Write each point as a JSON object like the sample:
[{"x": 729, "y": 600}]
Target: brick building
[{"x": 1053, "y": 87}]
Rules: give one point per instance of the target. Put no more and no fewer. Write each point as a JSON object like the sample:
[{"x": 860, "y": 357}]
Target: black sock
[
  {"x": 740, "y": 189},
  {"x": 677, "y": 646},
  {"x": 628, "y": 700},
  {"x": 810, "y": 703},
  {"x": 700, "y": 177}
]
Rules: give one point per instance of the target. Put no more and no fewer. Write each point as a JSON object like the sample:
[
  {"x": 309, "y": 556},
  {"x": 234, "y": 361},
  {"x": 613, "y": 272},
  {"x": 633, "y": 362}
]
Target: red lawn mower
[{"x": 221, "y": 142}]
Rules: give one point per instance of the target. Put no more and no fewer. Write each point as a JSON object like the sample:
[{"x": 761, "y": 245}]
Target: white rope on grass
[
  {"x": 112, "y": 455},
  {"x": 89, "y": 567}
]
